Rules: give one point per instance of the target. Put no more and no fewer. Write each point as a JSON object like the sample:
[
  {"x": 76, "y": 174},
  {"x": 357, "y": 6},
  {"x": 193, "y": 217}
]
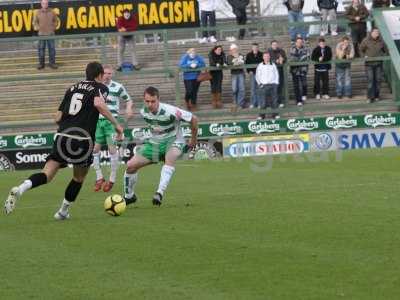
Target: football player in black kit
[{"x": 77, "y": 118}]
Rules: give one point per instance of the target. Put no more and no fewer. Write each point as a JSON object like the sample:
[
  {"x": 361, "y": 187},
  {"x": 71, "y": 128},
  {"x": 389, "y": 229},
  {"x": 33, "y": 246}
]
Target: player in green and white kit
[
  {"x": 165, "y": 144},
  {"x": 105, "y": 131}
]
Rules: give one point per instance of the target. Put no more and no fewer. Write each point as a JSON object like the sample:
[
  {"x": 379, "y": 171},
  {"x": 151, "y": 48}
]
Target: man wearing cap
[{"x": 127, "y": 23}]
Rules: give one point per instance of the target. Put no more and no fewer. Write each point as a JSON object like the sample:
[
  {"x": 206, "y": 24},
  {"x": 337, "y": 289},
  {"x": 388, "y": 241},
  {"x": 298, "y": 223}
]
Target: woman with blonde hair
[{"x": 190, "y": 63}]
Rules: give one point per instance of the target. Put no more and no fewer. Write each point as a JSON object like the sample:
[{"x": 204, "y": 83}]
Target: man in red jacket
[{"x": 127, "y": 23}]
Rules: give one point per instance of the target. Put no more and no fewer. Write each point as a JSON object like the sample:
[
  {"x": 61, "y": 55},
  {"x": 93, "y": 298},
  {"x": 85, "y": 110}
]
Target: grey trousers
[
  {"x": 328, "y": 15},
  {"x": 122, "y": 41}
]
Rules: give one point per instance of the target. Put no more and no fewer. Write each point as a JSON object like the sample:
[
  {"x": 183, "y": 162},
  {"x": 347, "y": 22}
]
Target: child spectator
[
  {"x": 267, "y": 78},
  {"x": 321, "y": 53}
]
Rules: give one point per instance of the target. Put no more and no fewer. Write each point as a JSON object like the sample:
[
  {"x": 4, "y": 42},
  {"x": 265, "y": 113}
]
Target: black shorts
[{"x": 69, "y": 150}]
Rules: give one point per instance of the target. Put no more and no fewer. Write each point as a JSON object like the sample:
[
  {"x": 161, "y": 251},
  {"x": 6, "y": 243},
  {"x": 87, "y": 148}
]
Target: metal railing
[{"x": 275, "y": 28}]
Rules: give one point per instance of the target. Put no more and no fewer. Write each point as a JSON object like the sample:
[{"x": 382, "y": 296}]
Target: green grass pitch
[{"x": 227, "y": 230}]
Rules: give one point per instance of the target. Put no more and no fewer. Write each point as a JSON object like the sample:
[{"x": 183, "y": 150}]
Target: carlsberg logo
[
  {"x": 376, "y": 121},
  {"x": 220, "y": 129},
  {"x": 30, "y": 141},
  {"x": 263, "y": 127},
  {"x": 302, "y": 125},
  {"x": 340, "y": 123},
  {"x": 141, "y": 133}
]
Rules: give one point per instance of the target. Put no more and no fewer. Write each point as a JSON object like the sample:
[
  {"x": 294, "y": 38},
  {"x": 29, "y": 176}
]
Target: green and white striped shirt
[
  {"x": 165, "y": 124},
  {"x": 116, "y": 93}
]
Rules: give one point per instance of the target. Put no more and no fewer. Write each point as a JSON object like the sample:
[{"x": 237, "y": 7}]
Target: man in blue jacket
[{"x": 188, "y": 61}]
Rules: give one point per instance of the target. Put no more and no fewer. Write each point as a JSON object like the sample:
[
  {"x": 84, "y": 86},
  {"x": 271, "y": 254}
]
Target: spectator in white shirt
[
  {"x": 207, "y": 18},
  {"x": 267, "y": 78}
]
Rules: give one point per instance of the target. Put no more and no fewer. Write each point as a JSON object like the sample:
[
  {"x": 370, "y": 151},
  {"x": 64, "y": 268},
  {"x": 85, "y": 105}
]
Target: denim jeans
[
  {"x": 208, "y": 19},
  {"x": 42, "y": 50},
  {"x": 300, "y": 86},
  {"x": 238, "y": 89},
  {"x": 374, "y": 75},
  {"x": 253, "y": 90},
  {"x": 343, "y": 81},
  {"x": 296, "y": 16}
]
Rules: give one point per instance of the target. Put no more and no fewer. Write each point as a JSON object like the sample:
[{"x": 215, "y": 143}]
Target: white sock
[
  {"x": 166, "y": 175},
  {"x": 65, "y": 207},
  {"x": 129, "y": 184},
  {"x": 114, "y": 166},
  {"x": 96, "y": 165},
  {"x": 23, "y": 187}
]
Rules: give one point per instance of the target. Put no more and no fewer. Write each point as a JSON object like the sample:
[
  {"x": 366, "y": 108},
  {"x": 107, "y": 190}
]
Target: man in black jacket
[
  {"x": 254, "y": 57},
  {"x": 239, "y": 9},
  {"x": 279, "y": 58},
  {"x": 321, "y": 53}
]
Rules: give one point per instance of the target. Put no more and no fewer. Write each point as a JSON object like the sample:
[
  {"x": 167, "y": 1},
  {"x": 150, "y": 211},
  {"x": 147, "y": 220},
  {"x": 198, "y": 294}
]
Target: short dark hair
[
  {"x": 345, "y": 38},
  {"x": 152, "y": 91},
  {"x": 93, "y": 70},
  {"x": 254, "y": 44},
  {"x": 321, "y": 39}
]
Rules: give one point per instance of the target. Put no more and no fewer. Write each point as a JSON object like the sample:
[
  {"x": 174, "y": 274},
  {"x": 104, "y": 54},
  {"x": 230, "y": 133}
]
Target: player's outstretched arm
[
  {"x": 194, "y": 125},
  {"x": 101, "y": 106}
]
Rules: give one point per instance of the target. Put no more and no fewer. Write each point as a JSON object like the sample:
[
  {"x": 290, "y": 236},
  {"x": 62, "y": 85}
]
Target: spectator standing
[
  {"x": 357, "y": 14},
  {"x": 295, "y": 14},
  {"x": 127, "y": 23},
  {"x": 191, "y": 60},
  {"x": 217, "y": 59},
  {"x": 236, "y": 60},
  {"x": 239, "y": 10},
  {"x": 345, "y": 51},
  {"x": 207, "y": 18},
  {"x": 254, "y": 57},
  {"x": 299, "y": 53},
  {"x": 45, "y": 23},
  {"x": 267, "y": 78},
  {"x": 373, "y": 46},
  {"x": 279, "y": 58},
  {"x": 328, "y": 13},
  {"x": 321, "y": 53}
]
